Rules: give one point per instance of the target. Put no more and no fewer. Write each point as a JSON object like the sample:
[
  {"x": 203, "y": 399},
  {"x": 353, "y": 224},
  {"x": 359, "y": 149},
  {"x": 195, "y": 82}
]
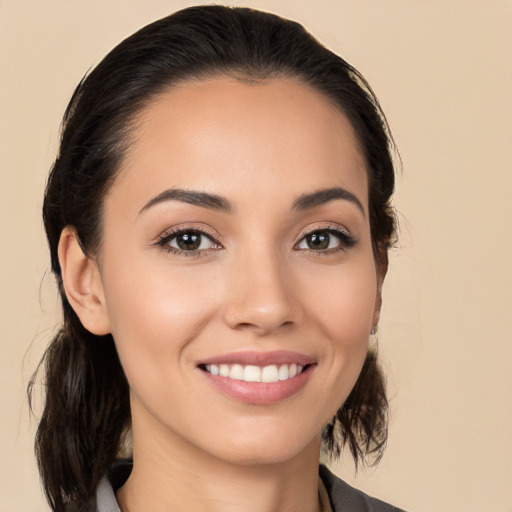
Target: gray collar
[{"x": 106, "y": 498}]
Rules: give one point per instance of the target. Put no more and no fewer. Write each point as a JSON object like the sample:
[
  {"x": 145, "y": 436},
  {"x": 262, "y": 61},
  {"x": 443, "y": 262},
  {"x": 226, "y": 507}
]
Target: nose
[{"x": 260, "y": 295}]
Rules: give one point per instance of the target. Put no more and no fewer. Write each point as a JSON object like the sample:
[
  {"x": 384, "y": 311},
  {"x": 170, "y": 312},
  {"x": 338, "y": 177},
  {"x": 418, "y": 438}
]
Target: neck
[{"x": 170, "y": 474}]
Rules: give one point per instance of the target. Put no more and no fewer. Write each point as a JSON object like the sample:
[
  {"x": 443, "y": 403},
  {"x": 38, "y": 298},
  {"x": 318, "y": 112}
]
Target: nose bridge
[{"x": 260, "y": 295}]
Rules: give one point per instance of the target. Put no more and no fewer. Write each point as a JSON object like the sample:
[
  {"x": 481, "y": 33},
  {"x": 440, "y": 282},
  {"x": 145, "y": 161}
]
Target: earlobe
[{"x": 82, "y": 284}]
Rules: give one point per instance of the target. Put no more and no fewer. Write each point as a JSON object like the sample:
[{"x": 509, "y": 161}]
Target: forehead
[{"x": 223, "y": 136}]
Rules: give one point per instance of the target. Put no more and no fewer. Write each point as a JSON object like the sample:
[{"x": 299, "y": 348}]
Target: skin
[{"x": 255, "y": 285}]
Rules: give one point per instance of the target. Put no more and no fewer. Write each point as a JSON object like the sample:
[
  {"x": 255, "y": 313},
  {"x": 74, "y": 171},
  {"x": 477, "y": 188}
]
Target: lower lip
[{"x": 259, "y": 393}]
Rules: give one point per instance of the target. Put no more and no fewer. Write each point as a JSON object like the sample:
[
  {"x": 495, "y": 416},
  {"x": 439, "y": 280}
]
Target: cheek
[
  {"x": 155, "y": 313},
  {"x": 343, "y": 301},
  {"x": 342, "y": 305},
  {"x": 155, "y": 316}
]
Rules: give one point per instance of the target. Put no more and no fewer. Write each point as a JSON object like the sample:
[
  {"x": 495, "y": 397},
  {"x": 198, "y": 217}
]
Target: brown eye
[
  {"x": 327, "y": 240},
  {"x": 318, "y": 241},
  {"x": 189, "y": 241}
]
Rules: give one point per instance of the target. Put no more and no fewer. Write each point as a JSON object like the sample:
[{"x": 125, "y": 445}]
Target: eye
[
  {"x": 190, "y": 241},
  {"x": 326, "y": 240},
  {"x": 187, "y": 242}
]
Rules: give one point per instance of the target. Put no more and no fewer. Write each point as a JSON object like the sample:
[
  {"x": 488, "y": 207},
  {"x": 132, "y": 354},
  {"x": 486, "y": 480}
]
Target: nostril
[
  {"x": 261, "y": 325},
  {"x": 243, "y": 325}
]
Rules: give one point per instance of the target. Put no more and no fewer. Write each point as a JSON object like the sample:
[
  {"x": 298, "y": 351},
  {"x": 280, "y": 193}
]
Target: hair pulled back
[{"x": 86, "y": 408}]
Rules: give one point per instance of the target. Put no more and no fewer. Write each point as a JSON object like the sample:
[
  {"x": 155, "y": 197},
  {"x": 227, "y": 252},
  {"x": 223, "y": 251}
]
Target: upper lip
[{"x": 246, "y": 358}]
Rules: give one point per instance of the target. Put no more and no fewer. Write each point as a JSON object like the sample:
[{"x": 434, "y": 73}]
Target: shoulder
[
  {"x": 105, "y": 499},
  {"x": 345, "y": 497},
  {"x": 106, "y": 494}
]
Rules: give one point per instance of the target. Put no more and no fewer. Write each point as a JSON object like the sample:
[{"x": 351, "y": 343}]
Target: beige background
[{"x": 442, "y": 72}]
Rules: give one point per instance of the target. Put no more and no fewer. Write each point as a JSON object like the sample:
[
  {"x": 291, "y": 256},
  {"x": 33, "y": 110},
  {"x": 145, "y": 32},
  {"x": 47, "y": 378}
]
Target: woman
[{"x": 218, "y": 219}]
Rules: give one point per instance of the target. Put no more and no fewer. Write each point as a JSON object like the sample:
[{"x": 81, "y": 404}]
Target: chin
[{"x": 257, "y": 450}]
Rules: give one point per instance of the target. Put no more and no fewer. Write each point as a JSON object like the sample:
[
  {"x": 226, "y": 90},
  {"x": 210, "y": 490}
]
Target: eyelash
[{"x": 346, "y": 241}]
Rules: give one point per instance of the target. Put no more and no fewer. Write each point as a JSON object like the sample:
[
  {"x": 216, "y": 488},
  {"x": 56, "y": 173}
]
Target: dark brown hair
[{"x": 86, "y": 408}]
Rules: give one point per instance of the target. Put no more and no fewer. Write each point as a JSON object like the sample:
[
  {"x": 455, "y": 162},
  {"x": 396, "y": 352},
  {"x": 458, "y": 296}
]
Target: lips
[{"x": 258, "y": 377}]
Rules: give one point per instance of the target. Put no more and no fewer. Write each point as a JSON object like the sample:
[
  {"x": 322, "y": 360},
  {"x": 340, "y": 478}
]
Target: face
[{"x": 237, "y": 268}]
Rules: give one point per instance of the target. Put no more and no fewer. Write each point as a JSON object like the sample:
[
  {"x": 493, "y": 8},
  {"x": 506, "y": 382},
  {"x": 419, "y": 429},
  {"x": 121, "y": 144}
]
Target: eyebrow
[
  {"x": 320, "y": 197},
  {"x": 210, "y": 201},
  {"x": 214, "y": 202}
]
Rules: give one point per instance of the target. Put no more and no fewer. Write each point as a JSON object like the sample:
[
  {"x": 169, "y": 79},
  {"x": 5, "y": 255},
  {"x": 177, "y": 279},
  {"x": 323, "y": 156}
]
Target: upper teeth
[{"x": 249, "y": 373}]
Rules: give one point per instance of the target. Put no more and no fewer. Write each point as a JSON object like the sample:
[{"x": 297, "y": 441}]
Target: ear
[
  {"x": 82, "y": 283},
  {"x": 381, "y": 268}
]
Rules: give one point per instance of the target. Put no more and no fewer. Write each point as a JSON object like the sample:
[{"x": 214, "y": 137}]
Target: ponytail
[
  {"x": 362, "y": 421},
  {"x": 85, "y": 414}
]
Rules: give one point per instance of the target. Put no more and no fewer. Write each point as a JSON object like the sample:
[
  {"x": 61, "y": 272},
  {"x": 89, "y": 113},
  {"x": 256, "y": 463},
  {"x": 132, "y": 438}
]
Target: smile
[
  {"x": 251, "y": 373},
  {"x": 259, "y": 378}
]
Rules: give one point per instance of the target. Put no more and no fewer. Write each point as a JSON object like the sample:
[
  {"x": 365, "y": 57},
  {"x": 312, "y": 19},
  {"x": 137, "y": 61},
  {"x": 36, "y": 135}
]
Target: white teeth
[
  {"x": 236, "y": 372},
  {"x": 284, "y": 374},
  {"x": 251, "y": 373},
  {"x": 270, "y": 374}
]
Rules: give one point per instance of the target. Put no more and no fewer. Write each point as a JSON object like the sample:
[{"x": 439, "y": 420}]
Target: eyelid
[
  {"x": 182, "y": 228},
  {"x": 326, "y": 226}
]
